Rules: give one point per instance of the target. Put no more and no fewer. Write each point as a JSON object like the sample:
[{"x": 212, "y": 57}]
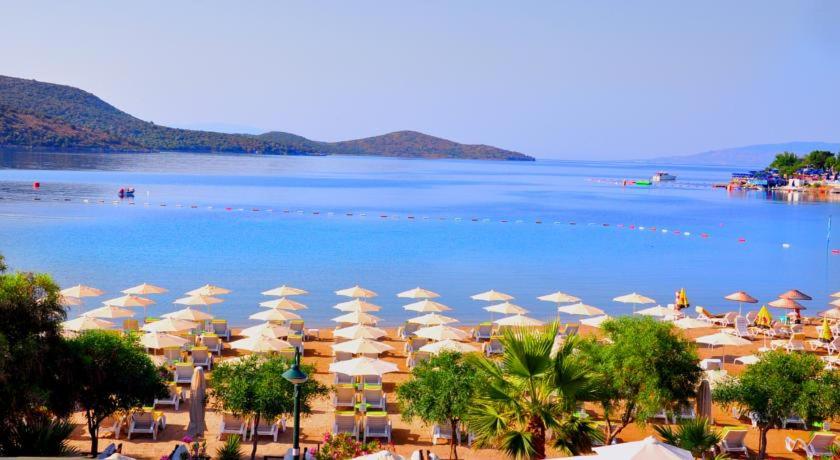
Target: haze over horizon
[{"x": 550, "y": 79}]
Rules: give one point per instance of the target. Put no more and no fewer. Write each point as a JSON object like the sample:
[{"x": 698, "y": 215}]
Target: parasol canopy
[
  {"x": 690, "y": 323},
  {"x": 657, "y": 311},
  {"x": 109, "y": 312},
  {"x": 786, "y": 303},
  {"x": 80, "y": 290},
  {"x": 357, "y": 346},
  {"x": 86, "y": 323},
  {"x": 260, "y": 344},
  {"x": 360, "y": 331},
  {"x": 506, "y": 308},
  {"x": 209, "y": 290},
  {"x": 559, "y": 297},
  {"x": 189, "y": 314},
  {"x": 448, "y": 345},
  {"x": 795, "y": 294},
  {"x": 169, "y": 325},
  {"x": 742, "y": 297},
  {"x": 357, "y": 317},
  {"x": 198, "y": 300},
  {"x": 418, "y": 293},
  {"x": 159, "y": 340},
  {"x": 363, "y": 366},
  {"x": 273, "y": 314},
  {"x": 357, "y": 305},
  {"x": 283, "y": 304},
  {"x": 595, "y": 321},
  {"x": 284, "y": 291},
  {"x": 426, "y": 306},
  {"x": 144, "y": 289},
  {"x": 356, "y": 291},
  {"x": 518, "y": 320},
  {"x": 492, "y": 296},
  {"x": 581, "y": 309},
  {"x": 432, "y": 319},
  {"x": 275, "y": 331},
  {"x": 441, "y": 332}
]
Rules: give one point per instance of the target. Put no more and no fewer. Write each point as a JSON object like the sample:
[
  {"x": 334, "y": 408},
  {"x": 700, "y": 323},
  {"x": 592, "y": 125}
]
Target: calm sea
[{"x": 250, "y": 223}]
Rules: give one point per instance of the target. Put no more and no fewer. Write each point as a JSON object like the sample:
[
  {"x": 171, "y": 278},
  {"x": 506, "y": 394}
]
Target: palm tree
[
  {"x": 697, "y": 436},
  {"x": 530, "y": 390}
]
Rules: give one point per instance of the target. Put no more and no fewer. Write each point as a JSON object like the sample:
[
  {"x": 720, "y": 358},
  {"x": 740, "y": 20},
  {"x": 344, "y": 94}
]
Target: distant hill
[
  {"x": 399, "y": 144},
  {"x": 758, "y": 156},
  {"x": 37, "y": 115}
]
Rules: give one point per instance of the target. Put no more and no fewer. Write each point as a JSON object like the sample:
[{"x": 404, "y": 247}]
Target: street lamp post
[{"x": 298, "y": 378}]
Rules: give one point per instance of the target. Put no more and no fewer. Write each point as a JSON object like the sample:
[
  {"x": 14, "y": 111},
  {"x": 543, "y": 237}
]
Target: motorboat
[{"x": 662, "y": 176}]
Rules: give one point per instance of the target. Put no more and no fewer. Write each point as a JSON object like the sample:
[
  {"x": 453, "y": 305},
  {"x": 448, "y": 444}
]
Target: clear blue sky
[{"x": 563, "y": 79}]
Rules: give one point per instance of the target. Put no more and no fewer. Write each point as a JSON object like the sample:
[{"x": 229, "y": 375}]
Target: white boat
[{"x": 662, "y": 176}]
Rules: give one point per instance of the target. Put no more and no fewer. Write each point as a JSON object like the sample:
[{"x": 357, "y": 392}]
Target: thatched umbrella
[{"x": 197, "y": 427}]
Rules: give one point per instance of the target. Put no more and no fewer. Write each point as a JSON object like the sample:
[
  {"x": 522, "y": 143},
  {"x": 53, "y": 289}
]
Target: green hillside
[{"x": 37, "y": 115}]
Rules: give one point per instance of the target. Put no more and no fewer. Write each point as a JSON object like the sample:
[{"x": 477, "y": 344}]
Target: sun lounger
[
  {"x": 112, "y": 424},
  {"x": 493, "y": 346},
  {"x": 373, "y": 398},
  {"x": 233, "y": 424},
  {"x": 483, "y": 332},
  {"x": 296, "y": 340},
  {"x": 830, "y": 347},
  {"x": 296, "y": 327},
  {"x": 741, "y": 328},
  {"x": 345, "y": 422},
  {"x": 733, "y": 441},
  {"x": 444, "y": 431},
  {"x": 727, "y": 319},
  {"x": 704, "y": 315},
  {"x": 751, "y": 316},
  {"x": 288, "y": 353},
  {"x": 344, "y": 395},
  {"x": 377, "y": 425},
  {"x": 570, "y": 330},
  {"x": 171, "y": 355},
  {"x": 268, "y": 428},
  {"x": 342, "y": 379},
  {"x": 794, "y": 419},
  {"x": 686, "y": 412},
  {"x": 369, "y": 380},
  {"x": 201, "y": 357},
  {"x": 795, "y": 343},
  {"x": 174, "y": 399},
  {"x": 144, "y": 423},
  {"x": 183, "y": 373},
  {"x": 776, "y": 330},
  {"x": 213, "y": 343},
  {"x": 416, "y": 358},
  {"x": 220, "y": 328},
  {"x": 818, "y": 447}
]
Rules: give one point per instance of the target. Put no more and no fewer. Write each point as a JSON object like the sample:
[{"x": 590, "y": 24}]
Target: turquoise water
[{"x": 250, "y": 223}]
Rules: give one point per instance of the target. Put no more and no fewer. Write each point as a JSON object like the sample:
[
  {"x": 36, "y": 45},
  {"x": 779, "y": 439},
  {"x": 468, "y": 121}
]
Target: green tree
[
  {"x": 254, "y": 387},
  {"x": 787, "y": 163},
  {"x": 697, "y": 436},
  {"x": 31, "y": 350},
  {"x": 777, "y": 386},
  {"x": 644, "y": 365},
  {"x": 3, "y": 266},
  {"x": 530, "y": 390},
  {"x": 111, "y": 374},
  {"x": 833, "y": 163},
  {"x": 817, "y": 158},
  {"x": 440, "y": 391}
]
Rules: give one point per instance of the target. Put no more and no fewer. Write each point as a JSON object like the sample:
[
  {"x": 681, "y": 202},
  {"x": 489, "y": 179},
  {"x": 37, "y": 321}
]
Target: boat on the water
[
  {"x": 662, "y": 176},
  {"x": 126, "y": 193}
]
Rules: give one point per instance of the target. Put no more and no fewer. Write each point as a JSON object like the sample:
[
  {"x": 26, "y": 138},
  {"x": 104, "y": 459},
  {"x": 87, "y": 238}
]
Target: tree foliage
[
  {"x": 644, "y": 365},
  {"x": 31, "y": 351},
  {"x": 440, "y": 391},
  {"x": 532, "y": 389},
  {"x": 254, "y": 387},
  {"x": 788, "y": 163},
  {"x": 111, "y": 374},
  {"x": 779, "y": 385}
]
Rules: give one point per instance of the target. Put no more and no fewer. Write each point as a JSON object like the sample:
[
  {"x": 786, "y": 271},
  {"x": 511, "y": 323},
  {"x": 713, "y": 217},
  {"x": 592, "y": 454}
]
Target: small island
[{"x": 816, "y": 173}]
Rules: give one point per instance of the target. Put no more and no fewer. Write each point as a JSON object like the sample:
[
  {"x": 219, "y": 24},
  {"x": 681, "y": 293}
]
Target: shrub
[
  {"x": 40, "y": 436},
  {"x": 343, "y": 446},
  {"x": 230, "y": 450}
]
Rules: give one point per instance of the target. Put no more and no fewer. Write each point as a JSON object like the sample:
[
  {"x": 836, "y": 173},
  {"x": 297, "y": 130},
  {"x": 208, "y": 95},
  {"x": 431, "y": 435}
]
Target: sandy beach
[{"x": 407, "y": 437}]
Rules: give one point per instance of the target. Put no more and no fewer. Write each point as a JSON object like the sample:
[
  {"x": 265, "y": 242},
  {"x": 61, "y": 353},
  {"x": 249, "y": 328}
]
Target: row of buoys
[{"x": 410, "y": 217}]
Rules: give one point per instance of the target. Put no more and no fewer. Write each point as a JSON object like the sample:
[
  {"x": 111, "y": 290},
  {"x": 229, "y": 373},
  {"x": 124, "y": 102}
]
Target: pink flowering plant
[{"x": 343, "y": 446}]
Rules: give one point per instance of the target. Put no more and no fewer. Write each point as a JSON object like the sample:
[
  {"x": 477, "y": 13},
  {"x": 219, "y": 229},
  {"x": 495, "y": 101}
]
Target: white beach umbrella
[
  {"x": 67, "y": 301},
  {"x": 448, "y": 345},
  {"x": 432, "y": 319},
  {"x": 836, "y": 295},
  {"x": 360, "y": 331},
  {"x": 649, "y": 448},
  {"x": 284, "y": 291},
  {"x": 159, "y": 340},
  {"x": 441, "y": 332},
  {"x": 357, "y": 346},
  {"x": 199, "y": 300},
  {"x": 658, "y": 311},
  {"x": 518, "y": 321},
  {"x": 169, "y": 325},
  {"x": 580, "y": 309},
  {"x": 356, "y": 291},
  {"x": 86, "y": 323},
  {"x": 363, "y": 366},
  {"x": 357, "y": 305},
  {"x": 260, "y": 344},
  {"x": 418, "y": 293},
  {"x": 275, "y": 331},
  {"x": 209, "y": 290},
  {"x": 426, "y": 306},
  {"x": 835, "y": 303},
  {"x": 506, "y": 308},
  {"x": 273, "y": 314},
  {"x": 722, "y": 339},
  {"x": 357, "y": 317},
  {"x": 109, "y": 312},
  {"x": 189, "y": 314},
  {"x": 283, "y": 304},
  {"x": 559, "y": 297},
  {"x": 691, "y": 323},
  {"x": 80, "y": 290},
  {"x": 747, "y": 360},
  {"x": 595, "y": 321},
  {"x": 635, "y": 299},
  {"x": 144, "y": 289},
  {"x": 834, "y": 313},
  {"x": 131, "y": 300},
  {"x": 492, "y": 296}
]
